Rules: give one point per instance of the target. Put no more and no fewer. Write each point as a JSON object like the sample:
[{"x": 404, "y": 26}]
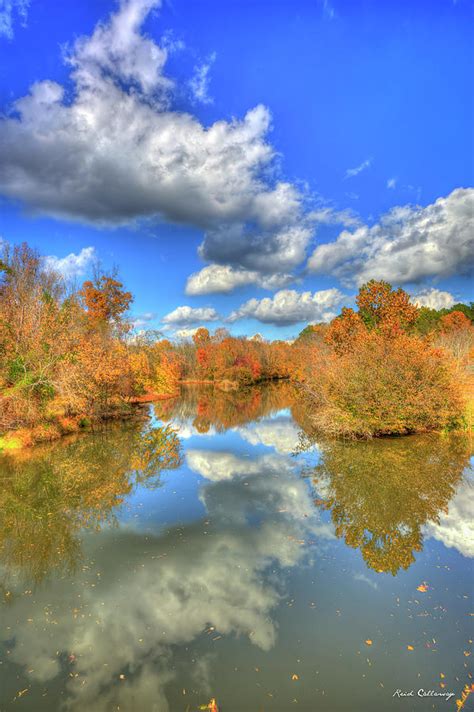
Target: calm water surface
[{"x": 146, "y": 571}]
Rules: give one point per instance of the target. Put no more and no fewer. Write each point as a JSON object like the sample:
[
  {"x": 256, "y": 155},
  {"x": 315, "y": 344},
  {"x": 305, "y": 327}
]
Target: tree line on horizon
[{"x": 69, "y": 357}]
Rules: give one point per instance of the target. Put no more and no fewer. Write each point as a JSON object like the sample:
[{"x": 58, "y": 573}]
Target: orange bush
[
  {"x": 379, "y": 378},
  {"x": 387, "y": 386}
]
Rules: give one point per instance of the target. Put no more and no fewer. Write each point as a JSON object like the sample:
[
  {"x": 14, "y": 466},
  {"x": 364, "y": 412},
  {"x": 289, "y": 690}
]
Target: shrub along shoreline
[{"x": 70, "y": 358}]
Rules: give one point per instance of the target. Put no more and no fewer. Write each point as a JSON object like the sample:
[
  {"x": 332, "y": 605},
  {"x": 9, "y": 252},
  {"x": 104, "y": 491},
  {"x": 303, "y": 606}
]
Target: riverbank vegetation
[
  {"x": 381, "y": 373},
  {"x": 69, "y": 357}
]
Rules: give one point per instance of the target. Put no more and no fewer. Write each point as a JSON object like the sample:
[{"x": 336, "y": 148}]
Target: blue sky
[{"x": 245, "y": 164}]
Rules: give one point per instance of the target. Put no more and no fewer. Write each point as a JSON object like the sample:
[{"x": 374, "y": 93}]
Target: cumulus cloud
[
  {"x": 217, "y": 466},
  {"x": 409, "y": 244},
  {"x": 275, "y": 249},
  {"x": 184, "y": 316},
  {"x": 73, "y": 265},
  {"x": 199, "y": 82},
  {"x": 351, "y": 172},
  {"x": 9, "y": 11},
  {"x": 456, "y": 526},
  {"x": 279, "y": 433},
  {"x": 114, "y": 151},
  {"x": 117, "y": 48},
  {"x": 215, "y": 279},
  {"x": 186, "y": 429},
  {"x": 290, "y": 307},
  {"x": 433, "y": 299}
]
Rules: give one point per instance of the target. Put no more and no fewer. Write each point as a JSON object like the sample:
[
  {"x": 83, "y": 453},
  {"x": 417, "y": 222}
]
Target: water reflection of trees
[
  {"x": 208, "y": 406},
  {"x": 49, "y": 494},
  {"x": 380, "y": 493}
]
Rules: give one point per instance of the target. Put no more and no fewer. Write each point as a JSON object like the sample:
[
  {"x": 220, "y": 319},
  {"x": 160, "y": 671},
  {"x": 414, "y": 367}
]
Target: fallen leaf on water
[
  {"x": 422, "y": 587},
  {"x": 368, "y": 642},
  {"x": 410, "y": 647},
  {"x": 468, "y": 690},
  {"x": 295, "y": 677},
  {"x": 122, "y": 676}
]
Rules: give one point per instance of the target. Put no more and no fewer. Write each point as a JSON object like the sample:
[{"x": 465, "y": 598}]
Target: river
[{"x": 213, "y": 549}]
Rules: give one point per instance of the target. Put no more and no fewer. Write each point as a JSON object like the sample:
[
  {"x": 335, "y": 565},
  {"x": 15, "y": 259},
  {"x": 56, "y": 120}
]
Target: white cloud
[
  {"x": 329, "y": 216},
  {"x": 407, "y": 245},
  {"x": 456, "y": 526},
  {"x": 224, "y": 278},
  {"x": 185, "y": 333},
  {"x": 291, "y": 307},
  {"x": 186, "y": 429},
  {"x": 113, "y": 151},
  {"x": 9, "y": 9},
  {"x": 117, "y": 47},
  {"x": 141, "y": 320},
  {"x": 217, "y": 465},
  {"x": 351, "y": 172},
  {"x": 434, "y": 299},
  {"x": 280, "y": 433},
  {"x": 391, "y": 183},
  {"x": 199, "y": 82},
  {"x": 188, "y": 315},
  {"x": 73, "y": 265}
]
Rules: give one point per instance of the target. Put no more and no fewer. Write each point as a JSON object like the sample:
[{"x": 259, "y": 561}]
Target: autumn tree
[
  {"x": 380, "y": 378},
  {"x": 105, "y": 299},
  {"x": 201, "y": 336},
  {"x": 382, "y": 306},
  {"x": 345, "y": 331},
  {"x": 456, "y": 335}
]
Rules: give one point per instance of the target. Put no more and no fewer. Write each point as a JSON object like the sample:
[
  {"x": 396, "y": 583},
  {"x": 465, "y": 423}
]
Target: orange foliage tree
[
  {"x": 105, "y": 299},
  {"x": 378, "y": 377},
  {"x": 62, "y": 353}
]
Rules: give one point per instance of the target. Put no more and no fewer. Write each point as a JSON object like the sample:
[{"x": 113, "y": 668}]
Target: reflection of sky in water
[{"x": 227, "y": 580}]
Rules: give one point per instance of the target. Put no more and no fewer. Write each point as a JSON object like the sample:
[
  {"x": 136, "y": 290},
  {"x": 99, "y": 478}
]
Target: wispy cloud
[
  {"x": 199, "y": 82},
  {"x": 328, "y": 10},
  {"x": 351, "y": 172},
  {"x": 391, "y": 183},
  {"x": 367, "y": 580},
  {"x": 139, "y": 321},
  {"x": 9, "y": 11}
]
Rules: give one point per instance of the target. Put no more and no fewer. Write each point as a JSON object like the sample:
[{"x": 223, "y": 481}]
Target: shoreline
[{"x": 46, "y": 432}]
